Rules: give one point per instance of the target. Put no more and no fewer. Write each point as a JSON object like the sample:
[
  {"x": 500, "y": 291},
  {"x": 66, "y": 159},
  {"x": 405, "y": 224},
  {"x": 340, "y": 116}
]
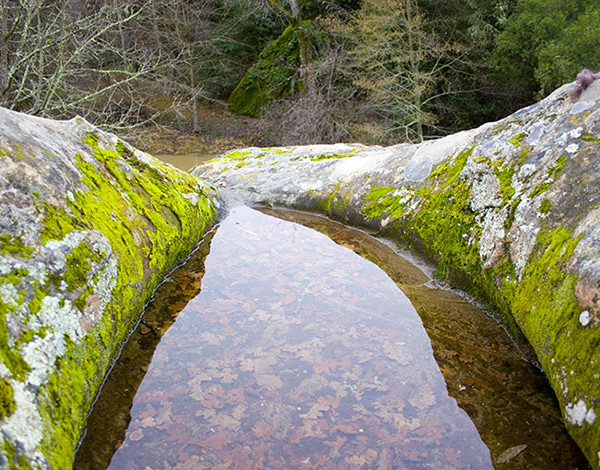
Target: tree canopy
[{"x": 378, "y": 71}]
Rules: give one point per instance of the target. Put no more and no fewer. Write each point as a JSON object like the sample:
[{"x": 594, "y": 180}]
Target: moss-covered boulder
[
  {"x": 509, "y": 211},
  {"x": 273, "y": 76},
  {"x": 88, "y": 227}
]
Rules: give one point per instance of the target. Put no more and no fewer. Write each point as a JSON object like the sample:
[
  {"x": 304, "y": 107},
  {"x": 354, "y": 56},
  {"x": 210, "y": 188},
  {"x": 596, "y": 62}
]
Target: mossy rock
[
  {"x": 89, "y": 228},
  {"x": 274, "y": 76}
]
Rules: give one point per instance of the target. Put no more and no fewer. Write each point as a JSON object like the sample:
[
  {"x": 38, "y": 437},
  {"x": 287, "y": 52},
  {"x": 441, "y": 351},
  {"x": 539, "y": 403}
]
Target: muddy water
[
  {"x": 275, "y": 347},
  {"x": 186, "y": 161}
]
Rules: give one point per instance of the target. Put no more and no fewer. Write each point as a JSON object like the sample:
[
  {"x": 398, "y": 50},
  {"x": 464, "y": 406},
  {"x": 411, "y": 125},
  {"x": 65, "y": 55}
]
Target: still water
[
  {"x": 278, "y": 348},
  {"x": 185, "y": 161}
]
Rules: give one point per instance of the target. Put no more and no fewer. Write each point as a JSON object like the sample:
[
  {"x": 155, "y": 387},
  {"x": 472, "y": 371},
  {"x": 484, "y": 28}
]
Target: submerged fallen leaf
[
  {"x": 225, "y": 422},
  {"x": 396, "y": 353},
  {"x": 270, "y": 382},
  {"x": 511, "y": 453},
  {"x": 356, "y": 460},
  {"x": 339, "y": 442},
  {"x": 136, "y": 435},
  {"x": 264, "y": 431},
  {"x": 423, "y": 399}
]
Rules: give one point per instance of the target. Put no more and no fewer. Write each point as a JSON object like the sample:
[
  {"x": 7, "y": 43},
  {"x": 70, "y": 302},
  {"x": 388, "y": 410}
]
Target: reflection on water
[
  {"x": 297, "y": 353},
  {"x": 186, "y": 161}
]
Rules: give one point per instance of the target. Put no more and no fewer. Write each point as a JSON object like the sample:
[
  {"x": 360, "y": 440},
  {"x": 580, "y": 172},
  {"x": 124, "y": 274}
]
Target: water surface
[
  {"x": 291, "y": 351},
  {"x": 185, "y": 161}
]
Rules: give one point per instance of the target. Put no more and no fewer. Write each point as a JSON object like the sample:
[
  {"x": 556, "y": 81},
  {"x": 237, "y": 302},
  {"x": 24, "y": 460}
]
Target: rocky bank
[
  {"x": 88, "y": 227},
  {"x": 509, "y": 211}
]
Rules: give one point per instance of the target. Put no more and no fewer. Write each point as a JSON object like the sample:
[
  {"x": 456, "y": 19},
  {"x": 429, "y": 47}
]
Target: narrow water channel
[{"x": 278, "y": 348}]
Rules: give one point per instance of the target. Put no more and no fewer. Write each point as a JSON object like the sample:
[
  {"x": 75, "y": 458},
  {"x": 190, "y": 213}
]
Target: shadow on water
[{"x": 297, "y": 353}]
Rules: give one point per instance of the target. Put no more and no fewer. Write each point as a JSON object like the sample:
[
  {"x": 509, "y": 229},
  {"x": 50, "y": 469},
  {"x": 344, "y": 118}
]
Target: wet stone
[{"x": 298, "y": 353}]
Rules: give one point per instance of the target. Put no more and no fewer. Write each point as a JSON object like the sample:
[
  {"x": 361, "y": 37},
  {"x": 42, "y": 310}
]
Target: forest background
[{"x": 300, "y": 71}]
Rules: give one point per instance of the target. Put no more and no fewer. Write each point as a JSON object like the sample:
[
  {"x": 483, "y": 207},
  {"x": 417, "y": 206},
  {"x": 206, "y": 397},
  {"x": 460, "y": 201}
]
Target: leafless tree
[
  {"x": 399, "y": 62},
  {"x": 108, "y": 60},
  {"x": 59, "y": 59}
]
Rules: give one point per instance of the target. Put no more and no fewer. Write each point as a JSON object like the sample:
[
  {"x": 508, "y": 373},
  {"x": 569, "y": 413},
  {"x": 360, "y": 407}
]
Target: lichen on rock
[{"x": 89, "y": 227}]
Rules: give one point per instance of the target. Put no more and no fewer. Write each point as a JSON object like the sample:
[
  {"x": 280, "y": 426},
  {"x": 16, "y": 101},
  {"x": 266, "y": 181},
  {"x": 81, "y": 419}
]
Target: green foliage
[
  {"x": 545, "y": 43},
  {"x": 577, "y": 47},
  {"x": 272, "y": 77}
]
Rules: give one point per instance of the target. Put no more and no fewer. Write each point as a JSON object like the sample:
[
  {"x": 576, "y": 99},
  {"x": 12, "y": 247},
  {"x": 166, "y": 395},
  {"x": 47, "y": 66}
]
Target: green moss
[
  {"x": 448, "y": 172},
  {"x": 545, "y": 288},
  {"x": 506, "y": 125},
  {"x": 9, "y": 356},
  {"x": 590, "y": 138},
  {"x": 237, "y": 155},
  {"x": 384, "y": 201},
  {"x": 545, "y": 206},
  {"x": 327, "y": 204},
  {"x": 272, "y": 77},
  {"x": 78, "y": 266},
  {"x": 91, "y": 140},
  {"x": 517, "y": 140},
  {"x": 511, "y": 214},
  {"x": 523, "y": 155},
  {"x": 57, "y": 223},
  {"x": 122, "y": 149},
  {"x": 544, "y": 303},
  {"x": 35, "y": 304},
  {"x": 81, "y": 302},
  {"x": 279, "y": 151},
  {"x": 66, "y": 401},
  {"x": 437, "y": 221},
  {"x": 540, "y": 189},
  {"x": 150, "y": 228},
  {"x": 504, "y": 174},
  {"x": 14, "y": 246},
  {"x": 7, "y": 401},
  {"x": 329, "y": 156},
  {"x": 15, "y": 276}
]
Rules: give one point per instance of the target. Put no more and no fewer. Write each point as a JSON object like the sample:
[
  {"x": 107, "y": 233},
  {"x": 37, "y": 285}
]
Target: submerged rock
[
  {"x": 510, "y": 211},
  {"x": 88, "y": 227}
]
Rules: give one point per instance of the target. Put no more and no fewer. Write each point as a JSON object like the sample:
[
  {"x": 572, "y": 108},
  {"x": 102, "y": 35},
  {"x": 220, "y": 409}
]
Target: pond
[
  {"x": 277, "y": 347},
  {"x": 185, "y": 161}
]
